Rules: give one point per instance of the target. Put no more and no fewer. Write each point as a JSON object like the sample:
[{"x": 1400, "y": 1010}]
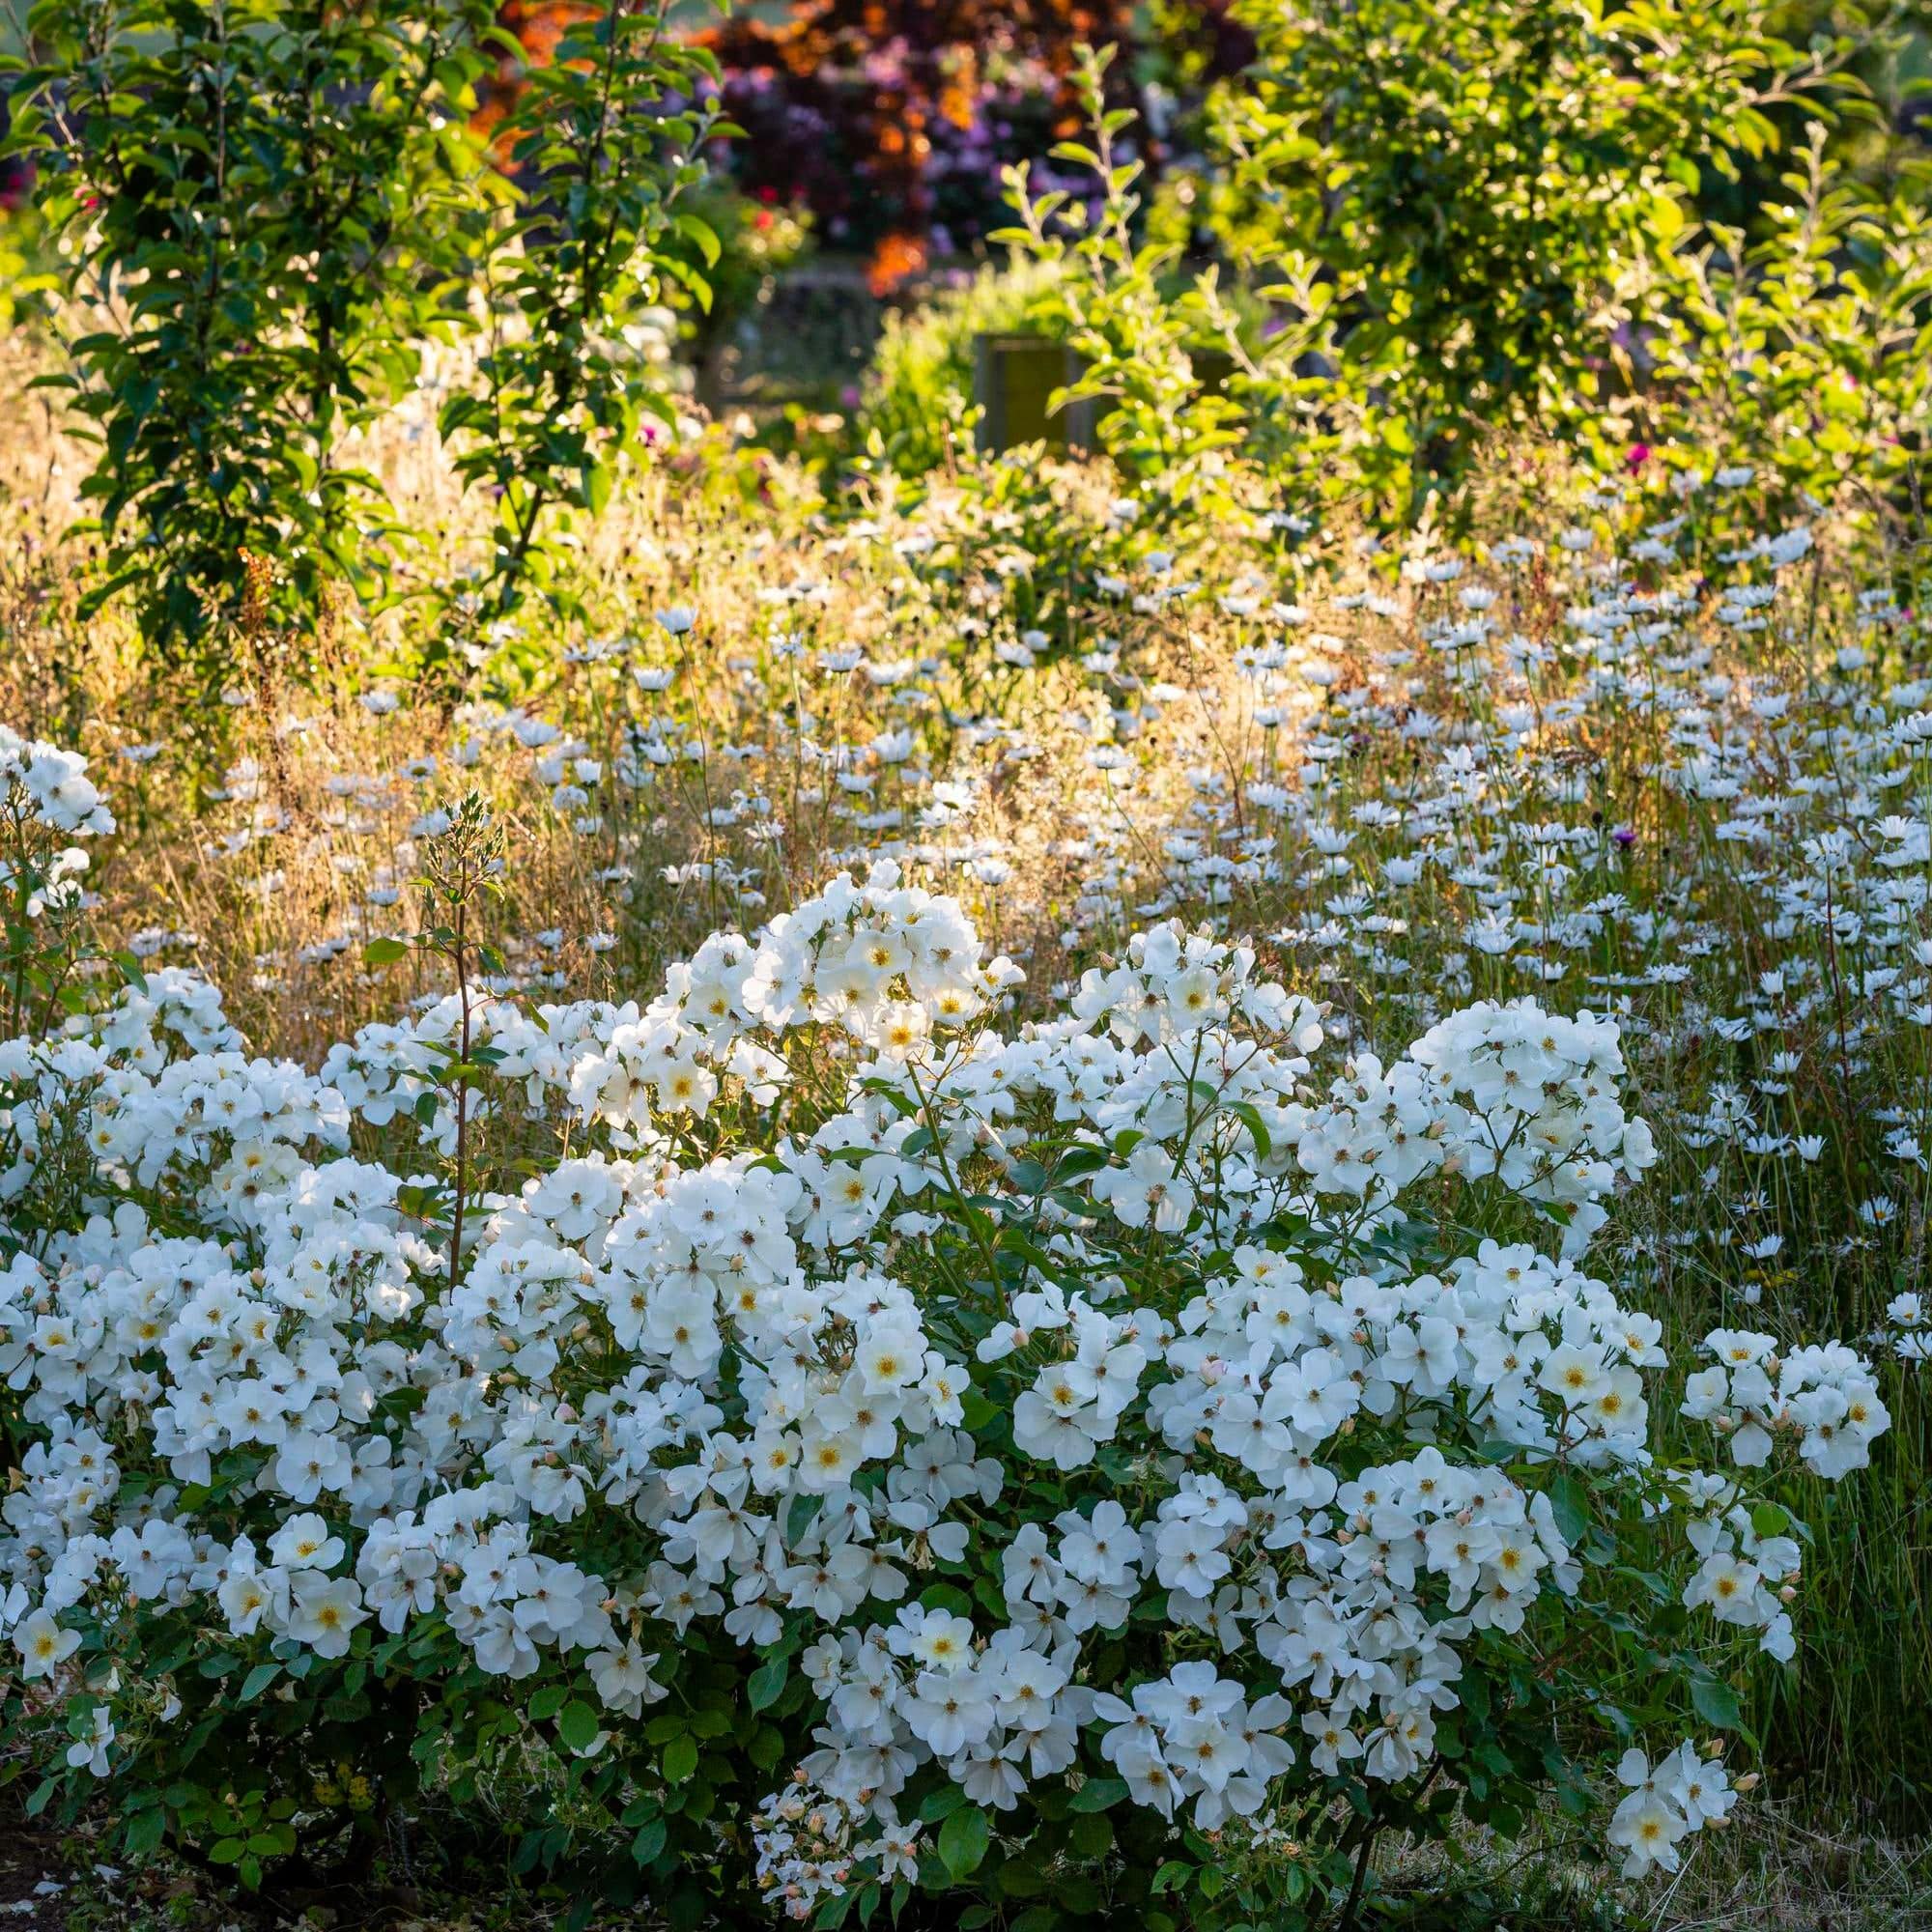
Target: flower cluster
[
  {"x": 808, "y": 1845},
  {"x": 1099, "y": 1400},
  {"x": 46, "y": 798},
  {"x": 50, "y": 783},
  {"x": 1667, "y": 1801},
  {"x": 1824, "y": 1395}
]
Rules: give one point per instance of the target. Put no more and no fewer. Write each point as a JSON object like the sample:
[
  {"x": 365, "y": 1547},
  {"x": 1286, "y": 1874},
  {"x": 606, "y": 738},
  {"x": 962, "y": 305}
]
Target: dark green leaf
[{"x": 963, "y": 1840}]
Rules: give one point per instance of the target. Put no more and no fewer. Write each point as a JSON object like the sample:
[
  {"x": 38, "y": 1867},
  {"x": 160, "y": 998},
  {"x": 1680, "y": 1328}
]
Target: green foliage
[
  {"x": 274, "y": 1765},
  {"x": 262, "y": 203},
  {"x": 1432, "y": 230},
  {"x": 918, "y": 398},
  {"x": 605, "y": 140},
  {"x": 1808, "y": 351},
  {"x": 1463, "y": 198},
  {"x": 271, "y": 207},
  {"x": 756, "y": 243},
  {"x": 1119, "y": 309}
]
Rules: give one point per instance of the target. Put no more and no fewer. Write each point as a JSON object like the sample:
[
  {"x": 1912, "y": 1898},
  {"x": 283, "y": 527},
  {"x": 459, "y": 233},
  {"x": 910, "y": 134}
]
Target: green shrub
[
  {"x": 1092, "y": 1468},
  {"x": 263, "y": 204},
  {"x": 26, "y": 274},
  {"x": 918, "y": 395},
  {"x": 272, "y": 206},
  {"x": 1807, "y": 351},
  {"x": 605, "y": 140},
  {"x": 1473, "y": 192}
]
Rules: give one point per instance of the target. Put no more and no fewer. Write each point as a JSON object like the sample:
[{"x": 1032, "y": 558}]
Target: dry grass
[{"x": 258, "y": 869}]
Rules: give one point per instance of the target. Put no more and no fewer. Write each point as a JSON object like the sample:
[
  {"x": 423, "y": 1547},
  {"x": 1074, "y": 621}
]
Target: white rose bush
[{"x": 854, "y": 1447}]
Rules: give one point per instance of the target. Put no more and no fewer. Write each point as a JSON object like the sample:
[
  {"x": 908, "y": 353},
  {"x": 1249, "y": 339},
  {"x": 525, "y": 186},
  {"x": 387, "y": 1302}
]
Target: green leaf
[
  {"x": 1077, "y": 1162},
  {"x": 598, "y": 479},
  {"x": 1570, "y": 1505},
  {"x": 767, "y": 1682},
  {"x": 577, "y": 1727},
  {"x": 1021, "y": 1878},
  {"x": 1715, "y": 1702},
  {"x": 144, "y": 1831},
  {"x": 385, "y": 952},
  {"x": 1250, "y": 1117},
  {"x": 1098, "y": 1794},
  {"x": 701, "y": 233},
  {"x": 258, "y": 1680},
  {"x": 680, "y": 1760},
  {"x": 963, "y": 1840},
  {"x": 1092, "y": 1838},
  {"x": 976, "y": 1410},
  {"x": 941, "y": 1804}
]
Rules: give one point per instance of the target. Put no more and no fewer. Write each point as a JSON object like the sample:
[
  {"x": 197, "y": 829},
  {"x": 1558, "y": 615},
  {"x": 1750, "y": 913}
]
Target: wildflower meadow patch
[{"x": 768, "y": 1159}]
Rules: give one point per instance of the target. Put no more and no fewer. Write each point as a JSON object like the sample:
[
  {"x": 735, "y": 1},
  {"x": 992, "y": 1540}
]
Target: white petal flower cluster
[
  {"x": 986, "y": 1359},
  {"x": 1909, "y": 1327},
  {"x": 45, "y": 799},
  {"x": 808, "y": 1845},
  {"x": 1193, "y": 1734},
  {"x": 1666, "y": 1802},
  {"x": 1823, "y": 1394},
  {"x": 51, "y": 785}
]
